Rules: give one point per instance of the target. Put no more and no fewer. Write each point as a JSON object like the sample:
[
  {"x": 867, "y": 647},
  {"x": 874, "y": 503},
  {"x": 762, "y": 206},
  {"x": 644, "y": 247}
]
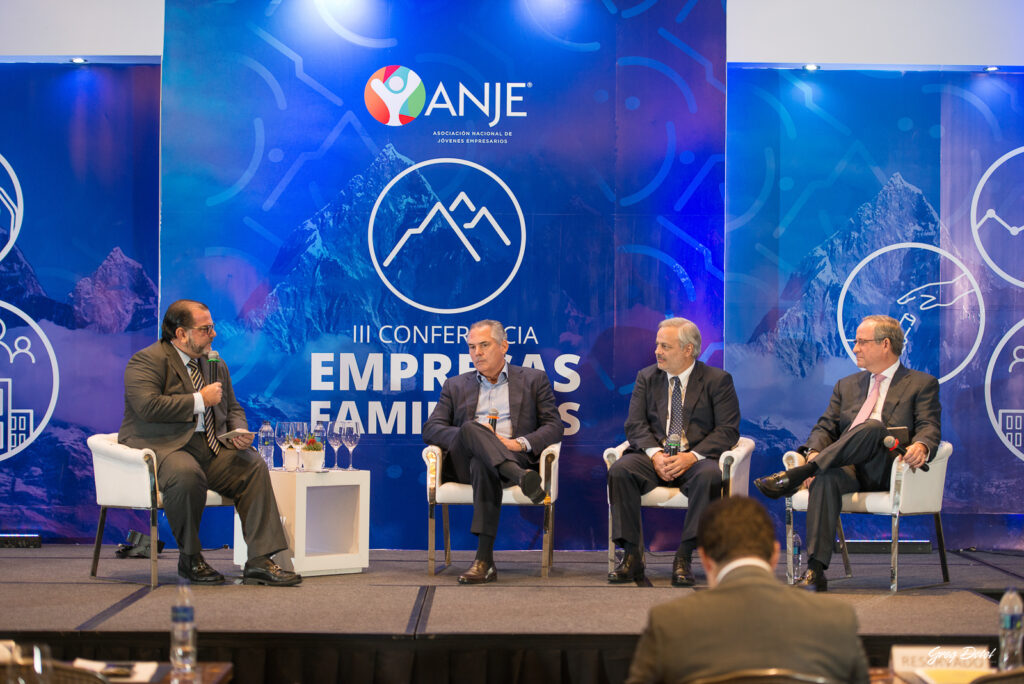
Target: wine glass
[
  {"x": 319, "y": 433},
  {"x": 334, "y": 439},
  {"x": 300, "y": 431},
  {"x": 350, "y": 432},
  {"x": 283, "y": 437}
]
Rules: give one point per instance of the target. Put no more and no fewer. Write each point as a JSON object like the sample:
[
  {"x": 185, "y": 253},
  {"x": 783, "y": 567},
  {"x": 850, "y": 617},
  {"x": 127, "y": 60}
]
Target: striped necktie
[
  {"x": 208, "y": 424},
  {"x": 675, "y": 422}
]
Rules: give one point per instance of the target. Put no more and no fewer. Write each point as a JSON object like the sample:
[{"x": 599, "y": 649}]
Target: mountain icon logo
[{"x": 451, "y": 250}]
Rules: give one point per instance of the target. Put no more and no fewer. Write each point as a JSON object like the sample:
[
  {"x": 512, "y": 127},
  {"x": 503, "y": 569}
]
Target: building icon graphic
[
  {"x": 1012, "y": 424},
  {"x": 16, "y": 425}
]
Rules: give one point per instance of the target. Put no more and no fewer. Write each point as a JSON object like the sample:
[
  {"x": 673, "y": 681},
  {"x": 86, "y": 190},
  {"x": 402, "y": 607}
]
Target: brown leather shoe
[
  {"x": 480, "y": 572},
  {"x": 814, "y": 580},
  {"x": 196, "y": 570},
  {"x": 682, "y": 575},
  {"x": 263, "y": 570},
  {"x": 778, "y": 485}
]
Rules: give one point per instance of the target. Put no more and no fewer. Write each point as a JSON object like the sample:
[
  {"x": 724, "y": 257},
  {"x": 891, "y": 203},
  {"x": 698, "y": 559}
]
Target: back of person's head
[
  {"x": 736, "y": 527},
  {"x": 179, "y": 315}
]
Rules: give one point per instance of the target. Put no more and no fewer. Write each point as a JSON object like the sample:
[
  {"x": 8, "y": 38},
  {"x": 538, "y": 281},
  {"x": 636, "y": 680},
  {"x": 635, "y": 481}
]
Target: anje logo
[{"x": 395, "y": 95}]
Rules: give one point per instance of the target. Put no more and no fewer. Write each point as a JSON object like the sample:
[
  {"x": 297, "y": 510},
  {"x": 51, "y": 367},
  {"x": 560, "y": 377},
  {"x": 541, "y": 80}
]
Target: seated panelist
[
  {"x": 678, "y": 395},
  {"x": 493, "y": 422},
  {"x": 176, "y": 402}
]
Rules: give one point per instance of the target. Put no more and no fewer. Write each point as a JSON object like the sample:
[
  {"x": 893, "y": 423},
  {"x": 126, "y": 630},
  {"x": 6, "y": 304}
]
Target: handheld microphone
[
  {"x": 672, "y": 445},
  {"x": 492, "y": 419},
  {"x": 893, "y": 444},
  {"x": 213, "y": 358}
]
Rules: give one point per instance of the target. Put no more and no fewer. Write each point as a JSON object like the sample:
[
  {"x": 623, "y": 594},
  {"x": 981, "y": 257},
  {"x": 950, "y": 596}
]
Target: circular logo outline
[
  {"x": 473, "y": 165},
  {"x": 974, "y": 216},
  {"x": 988, "y": 389},
  {"x": 19, "y": 209},
  {"x": 930, "y": 248},
  {"x": 56, "y": 381}
]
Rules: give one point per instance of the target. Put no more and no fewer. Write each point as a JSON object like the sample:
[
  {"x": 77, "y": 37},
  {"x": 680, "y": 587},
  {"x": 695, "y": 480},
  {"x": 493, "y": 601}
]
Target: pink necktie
[{"x": 869, "y": 403}]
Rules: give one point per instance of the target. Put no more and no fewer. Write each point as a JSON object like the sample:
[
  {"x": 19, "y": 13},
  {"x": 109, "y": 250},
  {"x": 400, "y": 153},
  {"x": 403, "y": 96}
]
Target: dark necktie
[
  {"x": 675, "y": 422},
  {"x": 208, "y": 424}
]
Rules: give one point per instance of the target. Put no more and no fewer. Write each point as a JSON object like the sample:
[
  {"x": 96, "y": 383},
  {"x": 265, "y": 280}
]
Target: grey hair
[
  {"x": 497, "y": 329},
  {"x": 689, "y": 333},
  {"x": 887, "y": 328}
]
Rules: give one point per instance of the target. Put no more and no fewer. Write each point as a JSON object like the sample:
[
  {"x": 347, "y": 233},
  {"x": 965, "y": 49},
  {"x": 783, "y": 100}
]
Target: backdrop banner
[
  {"x": 349, "y": 190},
  {"x": 882, "y": 192},
  {"x": 79, "y": 189}
]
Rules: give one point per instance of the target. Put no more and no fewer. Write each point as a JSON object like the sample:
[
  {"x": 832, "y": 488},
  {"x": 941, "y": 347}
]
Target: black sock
[
  {"x": 685, "y": 550},
  {"x": 510, "y": 470},
  {"x": 801, "y": 473},
  {"x": 485, "y": 548},
  {"x": 630, "y": 549},
  {"x": 815, "y": 565}
]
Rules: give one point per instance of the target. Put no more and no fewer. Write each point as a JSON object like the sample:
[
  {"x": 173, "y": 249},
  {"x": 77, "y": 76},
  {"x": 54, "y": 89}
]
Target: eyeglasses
[
  {"x": 863, "y": 342},
  {"x": 205, "y": 329}
]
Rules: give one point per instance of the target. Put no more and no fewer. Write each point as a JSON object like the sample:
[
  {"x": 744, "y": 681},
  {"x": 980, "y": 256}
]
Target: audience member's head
[{"x": 735, "y": 527}]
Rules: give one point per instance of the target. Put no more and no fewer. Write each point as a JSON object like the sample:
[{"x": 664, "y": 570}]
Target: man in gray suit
[
  {"x": 748, "y": 620},
  {"x": 678, "y": 395},
  {"x": 844, "y": 452},
  {"x": 487, "y": 454},
  {"x": 177, "y": 403}
]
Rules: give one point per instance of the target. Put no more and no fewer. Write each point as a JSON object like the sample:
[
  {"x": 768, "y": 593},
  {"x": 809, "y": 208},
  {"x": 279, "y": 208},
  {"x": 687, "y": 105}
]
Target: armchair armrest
[
  {"x": 432, "y": 458},
  {"x": 614, "y": 453},
  {"x": 549, "y": 469},
  {"x": 922, "y": 491},
  {"x": 124, "y": 476}
]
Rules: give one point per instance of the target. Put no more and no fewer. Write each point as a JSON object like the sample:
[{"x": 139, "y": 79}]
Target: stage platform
[{"x": 395, "y": 623}]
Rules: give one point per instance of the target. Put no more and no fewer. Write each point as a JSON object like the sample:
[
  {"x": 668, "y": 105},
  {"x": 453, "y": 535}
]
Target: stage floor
[{"x": 49, "y": 591}]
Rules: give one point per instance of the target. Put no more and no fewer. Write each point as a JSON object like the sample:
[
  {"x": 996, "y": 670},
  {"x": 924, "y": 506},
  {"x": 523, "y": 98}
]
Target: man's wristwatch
[{"x": 524, "y": 446}]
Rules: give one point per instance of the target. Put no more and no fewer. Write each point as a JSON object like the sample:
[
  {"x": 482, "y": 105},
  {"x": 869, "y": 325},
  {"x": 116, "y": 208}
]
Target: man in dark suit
[
  {"x": 176, "y": 405},
  {"x": 748, "y": 620},
  {"x": 844, "y": 452},
  {"x": 677, "y": 396},
  {"x": 527, "y": 422}
]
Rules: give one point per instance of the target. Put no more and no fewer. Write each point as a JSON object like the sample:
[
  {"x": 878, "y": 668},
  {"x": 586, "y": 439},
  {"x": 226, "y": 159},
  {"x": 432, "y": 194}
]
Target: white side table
[{"x": 326, "y": 518}]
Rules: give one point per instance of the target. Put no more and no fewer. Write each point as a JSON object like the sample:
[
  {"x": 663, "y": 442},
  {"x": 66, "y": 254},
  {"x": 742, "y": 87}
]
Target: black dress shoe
[
  {"x": 263, "y": 570},
  {"x": 682, "y": 575},
  {"x": 531, "y": 486},
  {"x": 195, "y": 569},
  {"x": 480, "y": 572},
  {"x": 778, "y": 485},
  {"x": 629, "y": 569},
  {"x": 813, "y": 579}
]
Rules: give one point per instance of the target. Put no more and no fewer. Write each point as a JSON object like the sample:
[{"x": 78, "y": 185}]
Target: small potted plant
[{"x": 312, "y": 455}]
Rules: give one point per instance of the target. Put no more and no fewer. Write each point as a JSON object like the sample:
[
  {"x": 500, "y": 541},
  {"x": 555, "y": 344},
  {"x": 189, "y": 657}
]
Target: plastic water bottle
[
  {"x": 798, "y": 556},
  {"x": 265, "y": 444},
  {"x": 1010, "y": 610},
  {"x": 183, "y": 633}
]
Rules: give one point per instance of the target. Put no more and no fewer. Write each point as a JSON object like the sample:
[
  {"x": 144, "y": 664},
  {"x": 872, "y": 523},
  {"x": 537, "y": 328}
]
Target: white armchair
[
  {"x": 735, "y": 466},
  {"x": 446, "y": 493},
  {"x": 126, "y": 478},
  {"x": 911, "y": 492}
]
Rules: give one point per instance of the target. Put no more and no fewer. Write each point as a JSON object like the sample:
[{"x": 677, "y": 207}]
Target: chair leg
[
  {"x": 551, "y": 544},
  {"x": 894, "y": 553},
  {"x": 99, "y": 541},
  {"x": 545, "y": 561},
  {"x": 431, "y": 532},
  {"x": 842, "y": 547},
  {"x": 790, "y": 570},
  {"x": 941, "y": 540},
  {"x": 611, "y": 544},
  {"x": 447, "y": 536},
  {"x": 154, "y": 544}
]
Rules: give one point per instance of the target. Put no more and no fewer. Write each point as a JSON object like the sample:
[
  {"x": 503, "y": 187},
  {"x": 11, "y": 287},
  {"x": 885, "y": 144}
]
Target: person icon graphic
[
  {"x": 22, "y": 345},
  {"x": 1018, "y": 357}
]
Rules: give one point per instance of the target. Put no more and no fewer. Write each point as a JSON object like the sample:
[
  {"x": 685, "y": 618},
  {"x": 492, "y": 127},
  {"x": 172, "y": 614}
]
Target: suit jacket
[
  {"x": 912, "y": 402},
  {"x": 532, "y": 406},
  {"x": 710, "y": 402},
  {"x": 158, "y": 403},
  {"x": 750, "y": 620}
]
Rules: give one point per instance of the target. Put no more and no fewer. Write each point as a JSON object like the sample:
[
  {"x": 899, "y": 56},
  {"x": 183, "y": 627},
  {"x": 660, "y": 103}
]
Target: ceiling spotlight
[
  {"x": 811, "y": 67},
  {"x": 78, "y": 60},
  {"x": 991, "y": 68}
]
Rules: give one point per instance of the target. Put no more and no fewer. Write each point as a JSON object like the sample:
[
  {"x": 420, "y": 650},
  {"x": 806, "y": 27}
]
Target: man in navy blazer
[
  {"x": 683, "y": 396},
  {"x": 844, "y": 452},
  {"x": 493, "y": 422}
]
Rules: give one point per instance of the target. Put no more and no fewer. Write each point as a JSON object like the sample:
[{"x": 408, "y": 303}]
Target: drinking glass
[
  {"x": 300, "y": 431},
  {"x": 281, "y": 436},
  {"x": 350, "y": 432},
  {"x": 334, "y": 439},
  {"x": 319, "y": 433},
  {"x": 30, "y": 664}
]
